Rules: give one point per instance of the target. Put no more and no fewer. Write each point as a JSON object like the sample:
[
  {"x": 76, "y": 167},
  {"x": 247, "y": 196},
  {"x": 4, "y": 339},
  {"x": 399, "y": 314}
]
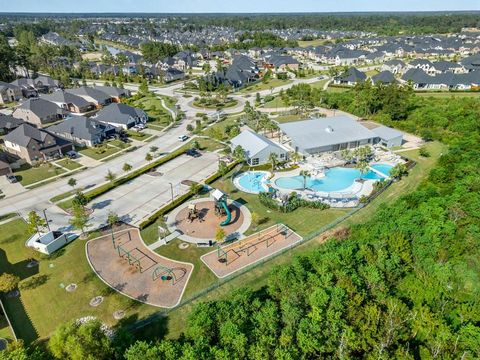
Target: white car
[{"x": 183, "y": 137}]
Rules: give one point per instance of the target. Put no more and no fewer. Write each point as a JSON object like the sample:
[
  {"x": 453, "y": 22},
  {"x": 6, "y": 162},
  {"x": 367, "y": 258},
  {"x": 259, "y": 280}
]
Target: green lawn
[
  {"x": 159, "y": 117},
  {"x": 69, "y": 164},
  {"x": 100, "y": 152},
  {"x": 48, "y": 305},
  {"x": 337, "y": 89},
  {"x": 259, "y": 86},
  {"x": 289, "y": 118},
  {"x": 28, "y": 175},
  {"x": 371, "y": 73},
  {"x": 319, "y": 84},
  {"x": 277, "y": 102},
  {"x": 222, "y": 105},
  {"x": 315, "y": 42}
]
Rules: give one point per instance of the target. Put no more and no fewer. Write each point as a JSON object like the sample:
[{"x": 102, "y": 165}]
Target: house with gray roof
[
  {"x": 258, "y": 148},
  {"x": 33, "y": 145},
  {"x": 327, "y": 134},
  {"x": 121, "y": 115},
  {"x": 116, "y": 93},
  {"x": 394, "y": 66},
  {"x": 92, "y": 95},
  {"x": 9, "y": 123},
  {"x": 83, "y": 131},
  {"x": 351, "y": 77},
  {"x": 9, "y": 93},
  {"x": 69, "y": 102},
  {"x": 39, "y": 112},
  {"x": 384, "y": 77}
]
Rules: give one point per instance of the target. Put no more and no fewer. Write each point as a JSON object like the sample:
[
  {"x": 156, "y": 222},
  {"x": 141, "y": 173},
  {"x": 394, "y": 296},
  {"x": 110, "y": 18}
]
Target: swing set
[{"x": 249, "y": 244}]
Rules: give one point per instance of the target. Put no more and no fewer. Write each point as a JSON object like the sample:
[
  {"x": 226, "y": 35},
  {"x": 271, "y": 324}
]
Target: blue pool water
[
  {"x": 253, "y": 181},
  {"x": 336, "y": 179}
]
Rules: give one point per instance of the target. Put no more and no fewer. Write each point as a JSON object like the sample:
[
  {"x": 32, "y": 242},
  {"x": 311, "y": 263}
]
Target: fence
[{"x": 220, "y": 282}]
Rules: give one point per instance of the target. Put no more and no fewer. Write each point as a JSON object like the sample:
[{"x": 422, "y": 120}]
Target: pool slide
[{"x": 227, "y": 211}]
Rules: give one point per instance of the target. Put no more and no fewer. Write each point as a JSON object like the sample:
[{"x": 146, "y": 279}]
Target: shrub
[{"x": 293, "y": 203}]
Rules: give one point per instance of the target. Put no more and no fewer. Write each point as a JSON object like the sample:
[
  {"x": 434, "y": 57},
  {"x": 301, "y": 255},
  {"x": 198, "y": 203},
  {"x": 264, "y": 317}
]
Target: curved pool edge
[{"x": 236, "y": 181}]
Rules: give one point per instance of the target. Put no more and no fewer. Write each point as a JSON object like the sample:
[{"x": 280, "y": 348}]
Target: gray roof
[
  {"x": 385, "y": 77},
  {"x": 387, "y": 133},
  {"x": 252, "y": 142},
  {"x": 95, "y": 94},
  {"x": 112, "y": 90},
  {"x": 42, "y": 108},
  {"x": 24, "y": 133},
  {"x": 80, "y": 127},
  {"x": 8, "y": 122},
  {"x": 119, "y": 114},
  {"x": 64, "y": 97},
  {"x": 352, "y": 75},
  {"x": 326, "y": 131}
]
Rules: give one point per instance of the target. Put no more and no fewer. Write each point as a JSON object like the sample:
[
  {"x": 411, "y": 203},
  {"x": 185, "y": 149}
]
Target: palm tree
[
  {"x": 272, "y": 159},
  {"x": 296, "y": 157},
  {"x": 148, "y": 157},
  {"x": 110, "y": 176},
  {"x": 127, "y": 167},
  {"x": 305, "y": 174}
]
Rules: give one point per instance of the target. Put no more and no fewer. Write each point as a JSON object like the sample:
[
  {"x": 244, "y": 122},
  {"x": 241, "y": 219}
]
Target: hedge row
[
  {"x": 92, "y": 194},
  {"x": 293, "y": 203}
]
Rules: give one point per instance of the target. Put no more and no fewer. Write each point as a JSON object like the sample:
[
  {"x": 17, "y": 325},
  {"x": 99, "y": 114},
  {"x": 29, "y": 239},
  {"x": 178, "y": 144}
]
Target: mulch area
[
  {"x": 208, "y": 222},
  {"x": 135, "y": 279},
  {"x": 247, "y": 251}
]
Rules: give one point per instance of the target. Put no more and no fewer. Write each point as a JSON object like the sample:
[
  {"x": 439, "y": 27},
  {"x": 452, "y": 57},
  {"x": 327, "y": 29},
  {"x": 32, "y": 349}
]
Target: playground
[
  {"x": 124, "y": 263},
  {"x": 199, "y": 220},
  {"x": 227, "y": 259}
]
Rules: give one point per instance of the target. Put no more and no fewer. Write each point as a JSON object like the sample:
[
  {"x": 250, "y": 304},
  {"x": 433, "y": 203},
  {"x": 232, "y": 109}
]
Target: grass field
[
  {"x": 41, "y": 309},
  {"x": 315, "y": 42},
  {"x": 277, "y": 102},
  {"x": 99, "y": 153},
  {"x": 28, "y": 175},
  {"x": 69, "y": 164},
  {"x": 289, "y": 118},
  {"x": 259, "y": 86}
]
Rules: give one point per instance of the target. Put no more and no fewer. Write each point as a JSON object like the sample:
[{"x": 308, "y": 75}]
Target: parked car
[
  {"x": 183, "y": 137},
  {"x": 12, "y": 179},
  {"x": 140, "y": 126},
  {"x": 72, "y": 154},
  {"x": 193, "y": 152}
]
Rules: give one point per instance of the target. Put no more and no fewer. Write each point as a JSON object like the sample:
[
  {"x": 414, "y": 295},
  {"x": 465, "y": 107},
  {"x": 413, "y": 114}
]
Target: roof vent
[{"x": 329, "y": 129}]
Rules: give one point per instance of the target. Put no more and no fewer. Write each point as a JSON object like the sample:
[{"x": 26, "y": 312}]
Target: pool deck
[{"x": 236, "y": 181}]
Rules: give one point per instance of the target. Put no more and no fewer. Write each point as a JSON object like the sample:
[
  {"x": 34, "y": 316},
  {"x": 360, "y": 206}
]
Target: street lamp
[
  {"x": 171, "y": 190},
  {"x": 46, "y": 220}
]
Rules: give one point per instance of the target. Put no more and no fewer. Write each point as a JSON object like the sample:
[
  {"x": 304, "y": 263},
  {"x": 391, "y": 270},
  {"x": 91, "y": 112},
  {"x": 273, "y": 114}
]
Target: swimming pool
[
  {"x": 252, "y": 182},
  {"x": 336, "y": 179}
]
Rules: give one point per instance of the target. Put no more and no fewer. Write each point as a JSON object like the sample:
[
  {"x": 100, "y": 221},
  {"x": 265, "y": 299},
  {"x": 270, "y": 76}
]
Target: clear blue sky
[{"x": 191, "y": 6}]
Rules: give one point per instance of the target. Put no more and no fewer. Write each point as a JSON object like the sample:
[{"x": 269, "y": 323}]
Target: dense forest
[
  {"x": 385, "y": 24},
  {"x": 404, "y": 285}
]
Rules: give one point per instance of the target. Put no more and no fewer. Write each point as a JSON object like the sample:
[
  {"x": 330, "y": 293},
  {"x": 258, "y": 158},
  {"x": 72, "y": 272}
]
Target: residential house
[
  {"x": 422, "y": 64},
  {"x": 122, "y": 115},
  {"x": 9, "y": 92},
  {"x": 39, "y": 112},
  {"x": 32, "y": 144},
  {"x": 8, "y": 123},
  {"x": 173, "y": 74},
  {"x": 384, "y": 77},
  {"x": 351, "y": 77},
  {"x": 92, "y": 95},
  {"x": 70, "y": 102},
  {"x": 281, "y": 63},
  {"x": 394, "y": 66},
  {"x": 83, "y": 131},
  {"x": 26, "y": 86},
  {"x": 258, "y": 148},
  {"x": 116, "y": 93}
]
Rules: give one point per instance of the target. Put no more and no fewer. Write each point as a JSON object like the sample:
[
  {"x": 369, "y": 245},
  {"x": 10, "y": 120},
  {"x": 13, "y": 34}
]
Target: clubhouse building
[{"x": 336, "y": 133}]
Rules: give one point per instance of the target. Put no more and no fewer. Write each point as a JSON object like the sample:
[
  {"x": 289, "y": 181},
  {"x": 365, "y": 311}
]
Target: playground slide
[{"x": 229, "y": 214}]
